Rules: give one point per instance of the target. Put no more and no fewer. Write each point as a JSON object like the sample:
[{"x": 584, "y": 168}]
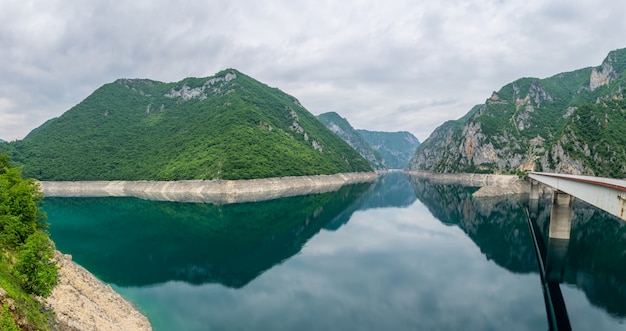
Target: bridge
[{"x": 605, "y": 193}]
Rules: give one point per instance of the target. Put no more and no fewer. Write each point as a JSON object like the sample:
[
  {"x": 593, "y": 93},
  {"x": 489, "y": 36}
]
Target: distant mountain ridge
[
  {"x": 228, "y": 126},
  {"x": 342, "y": 128},
  {"x": 384, "y": 150},
  {"x": 397, "y": 148},
  {"x": 573, "y": 122}
]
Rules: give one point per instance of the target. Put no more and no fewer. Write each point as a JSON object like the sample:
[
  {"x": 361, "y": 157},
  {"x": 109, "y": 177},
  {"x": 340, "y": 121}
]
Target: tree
[
  {"x": 36, "y": 266},
  {"x": 23, "y": 231}
]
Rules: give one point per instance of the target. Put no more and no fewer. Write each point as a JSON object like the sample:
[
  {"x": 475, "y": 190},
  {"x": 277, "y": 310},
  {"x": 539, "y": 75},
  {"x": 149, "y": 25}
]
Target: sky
[{"x": 395, "y": 65}]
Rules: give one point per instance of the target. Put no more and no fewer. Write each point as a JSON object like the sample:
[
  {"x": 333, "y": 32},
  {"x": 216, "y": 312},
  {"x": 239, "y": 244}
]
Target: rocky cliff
[
  {"x": 383, "y": 150},
  {"x": 572, "y": 122},
  {"x": 397, "y": 148},
  {"x": 342, "y": 128}
]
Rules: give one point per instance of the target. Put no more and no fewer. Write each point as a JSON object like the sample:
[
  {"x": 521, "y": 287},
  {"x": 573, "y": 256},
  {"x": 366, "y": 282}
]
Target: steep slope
[
  {"x": 228, "y": 126},
  {"x": 342, "y": 128},
  {"x": 397, "y": 148},
  {"x": 572, "y": 122}
]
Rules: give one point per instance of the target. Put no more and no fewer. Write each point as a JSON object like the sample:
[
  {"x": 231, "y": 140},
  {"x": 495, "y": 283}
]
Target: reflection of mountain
[
  {"x": 596, "y": 259},
  {"x": 497, "y": 226},
  {"x": 390, "y": 190},
  {"x": 133, "y": 242}
]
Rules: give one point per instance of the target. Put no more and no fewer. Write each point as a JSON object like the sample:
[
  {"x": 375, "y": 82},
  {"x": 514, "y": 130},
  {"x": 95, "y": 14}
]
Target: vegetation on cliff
[
  {"x": 383, "y": 150},
  {"x": 228, "y": 126},
  {"x": 572, "y": 122},
  {"x": 27, "y": 265},
  {"x": 342, "y": 128},
  {"x": 397, "y": 148}
]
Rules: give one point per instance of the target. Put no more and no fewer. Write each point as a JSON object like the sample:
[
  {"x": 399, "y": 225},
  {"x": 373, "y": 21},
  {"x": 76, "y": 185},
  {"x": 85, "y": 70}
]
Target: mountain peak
[
  {"x": 227, "y": 126},
  {"x": 538, "y": 124}
]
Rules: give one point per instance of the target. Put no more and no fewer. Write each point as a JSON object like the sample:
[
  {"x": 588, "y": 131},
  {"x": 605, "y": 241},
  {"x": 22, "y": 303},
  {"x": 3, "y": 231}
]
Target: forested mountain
[
  {"x": 573, "y": 122},
  {"x": 228, "y": 126},
  {"x": 342, "y": 128},
  {"x": 383, "y": 150},
  {"x": 397, "y": 148}
]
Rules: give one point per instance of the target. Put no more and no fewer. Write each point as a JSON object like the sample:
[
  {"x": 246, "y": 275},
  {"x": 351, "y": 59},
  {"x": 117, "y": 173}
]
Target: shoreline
[
  {"x": 83, "y": 302},
  {"x": 490, "y": 184},
  {"x": 211, "y": 191}
]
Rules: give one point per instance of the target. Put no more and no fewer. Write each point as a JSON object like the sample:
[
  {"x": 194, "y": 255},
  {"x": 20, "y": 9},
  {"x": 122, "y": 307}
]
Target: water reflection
[
  {"x": 496, "y": 225},
  {"x": 141, "y": 242},
  {"x": 390, "y": 265},
  {"x": 593, "y": 260},
  {"x": 390, "y": 190},
  {"x": 389, "y": 261}
]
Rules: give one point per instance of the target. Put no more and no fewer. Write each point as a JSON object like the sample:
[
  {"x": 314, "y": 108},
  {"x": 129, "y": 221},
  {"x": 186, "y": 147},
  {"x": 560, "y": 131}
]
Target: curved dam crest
[{"x": 212, "y": 191}]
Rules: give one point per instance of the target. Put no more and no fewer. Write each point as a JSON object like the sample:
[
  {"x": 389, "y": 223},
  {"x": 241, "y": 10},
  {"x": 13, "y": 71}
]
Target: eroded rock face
[
  {"x": 601, "y": 78},
  {"x": 537, "y": 124},
  {"x": 82, "y": 302}
]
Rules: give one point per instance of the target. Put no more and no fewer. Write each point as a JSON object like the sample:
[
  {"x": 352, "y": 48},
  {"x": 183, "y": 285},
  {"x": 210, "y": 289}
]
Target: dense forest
[{"x": 228, "y": 126}]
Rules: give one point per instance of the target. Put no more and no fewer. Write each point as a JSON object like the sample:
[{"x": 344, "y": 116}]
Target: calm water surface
[{"x": 399, "y": 254}]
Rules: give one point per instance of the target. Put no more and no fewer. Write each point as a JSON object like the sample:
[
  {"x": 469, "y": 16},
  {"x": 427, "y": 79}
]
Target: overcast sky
[{"x": 384, "y": 65}]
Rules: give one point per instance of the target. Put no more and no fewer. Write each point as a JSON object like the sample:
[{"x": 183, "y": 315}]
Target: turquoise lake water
[{"x": 398, "y": 254}]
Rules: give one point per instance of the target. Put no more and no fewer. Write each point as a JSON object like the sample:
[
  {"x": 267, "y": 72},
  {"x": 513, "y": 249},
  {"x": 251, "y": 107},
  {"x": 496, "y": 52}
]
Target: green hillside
[
  {"x": 28, "y": 271},
  {"x": 572, "y": 122},
  {"x": 228, "y": 126},
  {"x": 397, "y": 148},
  {"x": 342, "y": 128}
]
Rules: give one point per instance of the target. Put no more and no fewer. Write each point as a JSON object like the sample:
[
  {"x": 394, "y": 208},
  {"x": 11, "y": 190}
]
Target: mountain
[
  {"x": 573, "y": 122},
  {"x": 228, "y": 126},
  {"x": 2, "y": 141},
  {"x": 342, "y": 128},
  {"x": 397, "y": 148}
]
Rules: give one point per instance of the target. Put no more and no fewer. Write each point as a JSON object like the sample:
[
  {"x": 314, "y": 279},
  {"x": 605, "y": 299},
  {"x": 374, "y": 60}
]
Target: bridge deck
[{"x": 605, "y": 193}]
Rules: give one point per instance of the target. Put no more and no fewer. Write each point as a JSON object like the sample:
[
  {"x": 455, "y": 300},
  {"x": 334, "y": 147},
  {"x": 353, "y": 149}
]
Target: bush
[{"x": 36, "y": 267}]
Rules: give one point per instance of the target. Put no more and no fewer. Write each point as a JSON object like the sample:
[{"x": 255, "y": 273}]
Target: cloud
[{"x": 363, "y": 59}]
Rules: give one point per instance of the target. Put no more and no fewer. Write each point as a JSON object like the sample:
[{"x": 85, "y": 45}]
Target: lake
[{"x": 401, "y": 253}]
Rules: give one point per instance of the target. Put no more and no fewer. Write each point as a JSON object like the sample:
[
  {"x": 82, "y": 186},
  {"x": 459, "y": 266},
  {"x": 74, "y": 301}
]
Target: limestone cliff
[{"x": 571, "y": 122}]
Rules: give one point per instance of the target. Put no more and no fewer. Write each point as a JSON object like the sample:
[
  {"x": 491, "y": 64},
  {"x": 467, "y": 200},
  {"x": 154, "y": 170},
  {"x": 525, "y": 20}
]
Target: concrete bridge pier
[
  {"x": 534, "y": 190},
  {"x": 561, "y": 215},
  {"x": 556, "y": 259}
]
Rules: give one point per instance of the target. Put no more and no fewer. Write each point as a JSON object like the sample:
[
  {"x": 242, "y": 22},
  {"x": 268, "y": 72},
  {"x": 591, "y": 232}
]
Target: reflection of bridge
[{"x": 605, "y": 193}]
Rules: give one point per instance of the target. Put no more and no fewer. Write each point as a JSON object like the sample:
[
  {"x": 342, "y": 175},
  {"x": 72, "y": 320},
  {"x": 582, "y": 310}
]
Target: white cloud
[{"x": 363, "y": 59}]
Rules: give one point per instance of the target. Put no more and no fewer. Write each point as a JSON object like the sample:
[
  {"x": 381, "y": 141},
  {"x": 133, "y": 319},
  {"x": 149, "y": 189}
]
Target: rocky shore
[
  {"x": 213, "y": 191},
  {"x": 82, "y": 302},
  {"x": 490, "y": 185}
]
